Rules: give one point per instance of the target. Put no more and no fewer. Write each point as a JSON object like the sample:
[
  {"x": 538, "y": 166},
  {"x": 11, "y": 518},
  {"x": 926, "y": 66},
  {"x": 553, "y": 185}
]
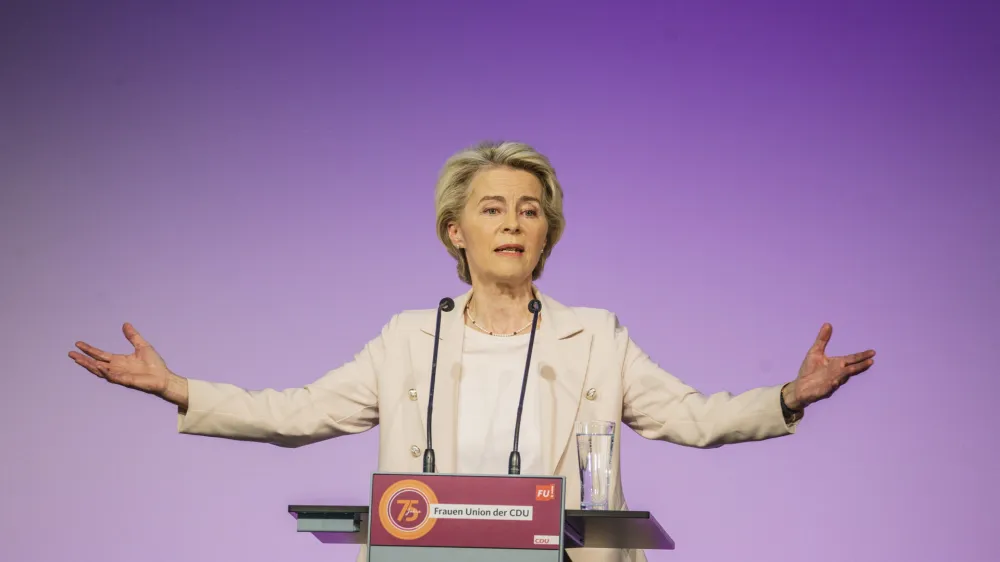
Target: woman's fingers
[
  {"x": 88, "y": 363},
  {"x": 103, "y": 370},
  {"x": 851, "y": 371},
  {"x": 855, "y": 358},
  {"x": 92, "y": 351}
]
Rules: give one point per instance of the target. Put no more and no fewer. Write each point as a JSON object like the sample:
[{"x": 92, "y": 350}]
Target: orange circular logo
[{"x": 403, "y": 509}]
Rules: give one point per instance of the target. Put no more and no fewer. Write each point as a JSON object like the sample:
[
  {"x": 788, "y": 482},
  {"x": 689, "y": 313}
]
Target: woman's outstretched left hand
[{"x": 820, "y": 376}]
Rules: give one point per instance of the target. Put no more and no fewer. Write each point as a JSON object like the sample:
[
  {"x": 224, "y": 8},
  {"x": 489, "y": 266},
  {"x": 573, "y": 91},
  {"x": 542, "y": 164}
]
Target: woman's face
[{"x": 502, "y": 227}]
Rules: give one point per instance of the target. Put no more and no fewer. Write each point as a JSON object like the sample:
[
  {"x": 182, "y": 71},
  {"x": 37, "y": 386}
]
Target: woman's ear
[{"x": 455, "y": 234}]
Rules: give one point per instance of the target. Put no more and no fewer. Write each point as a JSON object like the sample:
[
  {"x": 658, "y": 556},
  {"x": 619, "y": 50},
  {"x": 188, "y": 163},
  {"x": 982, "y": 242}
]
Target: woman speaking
[{"x": 499, "y": 214}]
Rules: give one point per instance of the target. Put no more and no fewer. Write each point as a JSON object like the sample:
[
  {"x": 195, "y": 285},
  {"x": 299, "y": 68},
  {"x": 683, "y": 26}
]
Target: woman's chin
[{"x": 508, "y": 275}]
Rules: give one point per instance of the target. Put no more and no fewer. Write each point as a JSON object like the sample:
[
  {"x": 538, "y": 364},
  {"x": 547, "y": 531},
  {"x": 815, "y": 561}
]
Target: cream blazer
[{"x": 590, "y": 369}]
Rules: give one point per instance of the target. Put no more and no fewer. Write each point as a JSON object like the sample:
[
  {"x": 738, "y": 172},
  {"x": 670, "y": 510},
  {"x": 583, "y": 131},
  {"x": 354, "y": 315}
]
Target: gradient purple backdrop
[{"x": 251, "y": 186}]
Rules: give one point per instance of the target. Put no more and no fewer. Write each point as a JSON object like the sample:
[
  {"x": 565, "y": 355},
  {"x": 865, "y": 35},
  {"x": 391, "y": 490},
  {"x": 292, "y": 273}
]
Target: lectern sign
[{"x": 506, "y": 514}]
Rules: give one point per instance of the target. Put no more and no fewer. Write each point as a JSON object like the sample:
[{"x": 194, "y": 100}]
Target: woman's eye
[
  {"x": 491, "y": 210},
  {"x": 531, "y": 213}
]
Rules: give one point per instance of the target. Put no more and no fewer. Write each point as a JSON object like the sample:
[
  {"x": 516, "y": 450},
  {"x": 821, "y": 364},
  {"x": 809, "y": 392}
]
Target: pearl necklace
[{"x": 482, "y": 329}]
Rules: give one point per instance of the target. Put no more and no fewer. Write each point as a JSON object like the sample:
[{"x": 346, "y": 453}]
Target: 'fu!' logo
[{"x": 545, "y": 493}]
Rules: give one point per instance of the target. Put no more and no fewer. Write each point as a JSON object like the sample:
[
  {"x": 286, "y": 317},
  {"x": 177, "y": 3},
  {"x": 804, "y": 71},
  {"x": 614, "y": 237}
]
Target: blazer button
[
  {"x": 415, "y": 451},
  {"x": 591, "y": 394},
  {"x": 413, "y": 394}
]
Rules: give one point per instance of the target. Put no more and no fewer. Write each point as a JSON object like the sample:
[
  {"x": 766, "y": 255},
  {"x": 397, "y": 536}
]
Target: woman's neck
[{"x": 500, "y": 309}]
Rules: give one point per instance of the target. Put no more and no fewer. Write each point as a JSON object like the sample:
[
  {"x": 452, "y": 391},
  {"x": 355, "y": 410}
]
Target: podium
[{"x": 452, "y": 517}]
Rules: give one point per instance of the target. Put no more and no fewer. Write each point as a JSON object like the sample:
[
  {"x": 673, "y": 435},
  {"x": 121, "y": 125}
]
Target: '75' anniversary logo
[{"x": 403, "y": 509}]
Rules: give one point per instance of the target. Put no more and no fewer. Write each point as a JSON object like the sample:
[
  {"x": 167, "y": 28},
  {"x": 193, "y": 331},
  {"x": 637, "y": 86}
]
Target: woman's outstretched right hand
[{"x": 143, "y": 369}]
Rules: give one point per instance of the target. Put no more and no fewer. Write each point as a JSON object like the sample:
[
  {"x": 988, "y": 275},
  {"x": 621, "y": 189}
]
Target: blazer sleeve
[
  {"x": 658, "y": 405},
  {"x": 343, "y": 401}
]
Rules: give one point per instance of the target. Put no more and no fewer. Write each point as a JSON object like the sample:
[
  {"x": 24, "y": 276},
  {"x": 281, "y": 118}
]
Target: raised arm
[
  {"x": 343, "y": 401},
  {"x": 658, "y": 405}
]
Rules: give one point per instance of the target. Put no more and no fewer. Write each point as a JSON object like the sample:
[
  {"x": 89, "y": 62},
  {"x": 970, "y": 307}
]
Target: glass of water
[{"x": 595, "y": 441}]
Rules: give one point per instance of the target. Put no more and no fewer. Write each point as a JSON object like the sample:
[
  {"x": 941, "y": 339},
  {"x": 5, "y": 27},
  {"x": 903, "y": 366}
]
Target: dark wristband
[{"x": 785, "y": 410}]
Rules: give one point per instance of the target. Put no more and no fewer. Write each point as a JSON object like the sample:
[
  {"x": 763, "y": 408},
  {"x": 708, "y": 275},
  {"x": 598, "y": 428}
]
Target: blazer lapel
[
  {"x": 446, "y": 381},
  {"x": 560, "y": 357}
]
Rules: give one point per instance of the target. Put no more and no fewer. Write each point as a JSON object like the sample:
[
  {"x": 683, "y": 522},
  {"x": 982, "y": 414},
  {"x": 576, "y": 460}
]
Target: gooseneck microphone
[
  {"x": 445, "y": 305},
  {"x": 514, "y": 465}
]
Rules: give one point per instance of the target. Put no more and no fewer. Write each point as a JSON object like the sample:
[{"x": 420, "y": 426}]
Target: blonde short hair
[{"x": 452, "y": 192}]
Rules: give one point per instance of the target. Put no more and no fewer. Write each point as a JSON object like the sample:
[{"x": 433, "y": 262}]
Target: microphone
[
  {"x": 445, "y": 305},
  {"x": 514, "y": 464}
]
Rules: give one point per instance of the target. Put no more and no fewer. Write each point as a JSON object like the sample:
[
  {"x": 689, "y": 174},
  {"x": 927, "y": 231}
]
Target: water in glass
[{"x": 594, "y": 446}]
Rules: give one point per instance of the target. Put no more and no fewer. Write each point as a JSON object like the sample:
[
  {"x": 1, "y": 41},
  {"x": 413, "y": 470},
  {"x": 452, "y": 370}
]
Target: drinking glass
[{"x": 594, "y": 446}]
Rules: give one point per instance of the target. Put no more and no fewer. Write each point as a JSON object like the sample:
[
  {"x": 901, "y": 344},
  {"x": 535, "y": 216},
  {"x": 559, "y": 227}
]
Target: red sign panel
[{"x": 472, "y": 511}]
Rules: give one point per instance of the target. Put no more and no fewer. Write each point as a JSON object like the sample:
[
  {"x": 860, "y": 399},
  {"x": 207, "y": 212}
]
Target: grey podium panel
[
  {"x": 440, "y": 554},
  {"x": 328, "y": 526}
]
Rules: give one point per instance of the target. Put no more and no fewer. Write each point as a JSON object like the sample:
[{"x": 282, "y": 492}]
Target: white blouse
[{"x": 492, "y": 370}]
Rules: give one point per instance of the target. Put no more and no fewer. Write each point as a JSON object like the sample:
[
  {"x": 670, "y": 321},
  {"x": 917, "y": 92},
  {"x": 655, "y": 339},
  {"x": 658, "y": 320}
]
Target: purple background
[{"x": 251, "y": 185}]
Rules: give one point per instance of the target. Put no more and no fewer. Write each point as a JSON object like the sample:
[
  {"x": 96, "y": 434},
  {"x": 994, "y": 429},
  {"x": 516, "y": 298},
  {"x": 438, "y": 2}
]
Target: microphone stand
[
  {"x": 514, "y": 464},
  {"x": 445, "y": 305}
]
